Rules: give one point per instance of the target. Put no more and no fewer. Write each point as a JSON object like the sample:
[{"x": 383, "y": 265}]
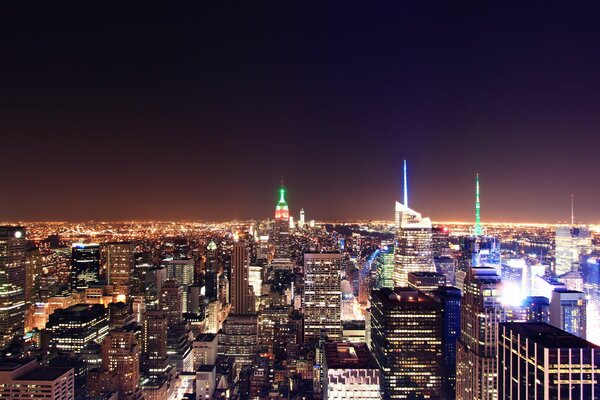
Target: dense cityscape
[
  {"x": 294, "y": 308},
  {"x": 300, "y": 200}
]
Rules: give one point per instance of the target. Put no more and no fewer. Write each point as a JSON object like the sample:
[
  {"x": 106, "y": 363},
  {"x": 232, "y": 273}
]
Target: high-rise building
[
  {"x": 322, "y": 295},
  {"x": 85, "y": 265},
  {"x": 481, "y": 312},
  {"x": 71, "y": 329},
  {"x": 350, "y": 372},
  {"x": 449, "y": 298},
  {"x": 171, "y": 301},
  {"x": 426, "y": 281},
  {"x": 413, "y": 251},
  {"x": 406, "y": 339},
  {"x": 155, "y": 341},
  {"x": 539, "y": 361},
  {"x": 385, "y": 267},
  {"x": 568, "y": 311},
  {"x": 120, "y": 265},
  {"x": 571, "y": 243},
  {"x": 537, "y": 309},
  {"x": 204, "y": 349},
  {"x": 241, "y": 296},
  {"x": 24, "y": 379},
  {"x": 239, "y": 338},
  {"x": 301, "y": 221},
  {"x": 182, "y": 272},
  {"x": 121, "y": 354},
  {"x": 12, "y": 283},
  {"x": 281, "y": 234}
]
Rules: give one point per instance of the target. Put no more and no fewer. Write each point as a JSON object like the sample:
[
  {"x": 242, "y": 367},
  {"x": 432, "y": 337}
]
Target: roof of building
[
  {"x": 44, "y": 374},
  {"x": 548, "y": 336},
  {"x": 401, "y": 295},
  {"x": 348, "y": 356},
  {"x": 206, "y": 337}
]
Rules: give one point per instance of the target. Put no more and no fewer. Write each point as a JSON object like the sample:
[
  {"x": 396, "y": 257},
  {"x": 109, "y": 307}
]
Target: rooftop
[
  {"x": 401, "y": 295},
  {"x": 206, "y": 337},
  {"x": 43, "y": 374},
  {"x": 548, "y": 336},
  {"x": 348, "y": 356}
]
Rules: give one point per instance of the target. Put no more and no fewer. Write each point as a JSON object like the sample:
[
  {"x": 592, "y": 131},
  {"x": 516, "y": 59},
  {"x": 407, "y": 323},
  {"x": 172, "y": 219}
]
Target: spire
[
  {"x": 405, "y": 186},
  {"x": 572, "y": 210},
  {"x": 282, "y": 210},
  {"x": 478, "y": 228}
]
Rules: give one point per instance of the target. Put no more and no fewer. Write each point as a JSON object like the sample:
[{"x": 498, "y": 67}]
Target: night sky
[{"x": 195, "y": 112}]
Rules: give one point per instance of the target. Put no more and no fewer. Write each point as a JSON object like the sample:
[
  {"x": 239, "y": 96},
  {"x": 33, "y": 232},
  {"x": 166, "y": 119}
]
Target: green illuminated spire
[
  {"x": 282, "y": 196},
  {"x": 478, "y": 227}
]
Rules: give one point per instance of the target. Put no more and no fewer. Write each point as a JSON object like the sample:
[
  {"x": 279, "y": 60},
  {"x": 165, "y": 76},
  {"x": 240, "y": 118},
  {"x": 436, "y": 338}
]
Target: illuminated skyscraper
[
  {"x": 12, "y": 283},
  {"x": 413, "y": 251},
  {"x": 385, "y": 267},
  {"x": 406, "y": 340},
  {"x": 182, "y": 272},
  {"x": 568, "y": 311},
  {"x": 121, "y": 354},
  {"x": 24, "y": 379},
  {"x": 155, "y": 341},
  {"x": 71, "y": 329},
  {"x": 171, "y": 301},
  {"x": 322, "y": 295},
  {"x": 85, "y": 265},
  {"x": 281, "y": 233},
  {"x": 120, "y": 264},
  {"x": 241, "y": 297},
  {"x": 478, "y": 230},
  {"x": 571, "y": 243},
  {"x": 481, "y": 312},
  {"x": 539, "y": 361}
]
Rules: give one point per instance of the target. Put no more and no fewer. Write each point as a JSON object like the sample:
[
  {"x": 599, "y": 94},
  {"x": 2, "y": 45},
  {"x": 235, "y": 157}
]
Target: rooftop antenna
[
  {"x": 572, "y": 210},
  {"x": 405, "y": 186},
  {"x": 478, "y": 227}
]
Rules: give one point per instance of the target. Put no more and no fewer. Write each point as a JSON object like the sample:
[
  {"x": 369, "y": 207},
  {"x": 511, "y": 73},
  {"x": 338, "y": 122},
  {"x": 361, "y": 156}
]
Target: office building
[
  {"x": 12, "y": 283},
  {"x": 182, "y": 272},
  {"x": 171, "y": 301},
  {"x": 413, "y": 251},
  {"x": 571, "y": 243},
  {"x": 322, "y": 295},
  {"x": 539, "y": 361},
  {"x": 568, "y": 311},
  {"x": 241, "y": 295},
  {"x": 406, "y": 339},
  {"x": 350, "y": 372},
  {"x": 481, "y": 312},
  {"x": 155, "y": 341},
  {"x": 72, "y": 328},
  {"x": 426, "y": 281},
  {"x": 449, "y": 298},
  {"x": 239, "y": 338},
  {"x": 85, "y": 265},
  {"x": 121, "y": 354},
  {"x": 537, "y": 309},
  {"x": 24, "y": 379},
  {"x": 385, "y": 267},
  {"x": 204, "y": 349},
  {"x": 120, "y": 266}
]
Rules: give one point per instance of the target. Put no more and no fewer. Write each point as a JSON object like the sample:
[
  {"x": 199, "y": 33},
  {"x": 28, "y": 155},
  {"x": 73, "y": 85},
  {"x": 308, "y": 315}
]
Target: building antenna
[
  {"x": 405, "y": 186},
  {"x": 572, "y": 210},
  {"x": 478, "y": 229}
]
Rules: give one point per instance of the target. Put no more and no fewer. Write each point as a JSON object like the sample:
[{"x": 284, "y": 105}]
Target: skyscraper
[
  {"x": 568, "y": 311},
  {"x": 12, "y": 283},
  {"x": 155, "y": 341},
  {"x": 539, "y": 361},
  {"x": 171, "y": 301},
  {"x": 449, "y": 298},
  {"x": 413, "y": 251},
  {"x": 241, "y": 296},
  {"x": 182, "y": 272},
  {"x": 85, "y": 265},
  {"x": 571, "y": 243},
  {"x": 478, "y": 229},
  {"x": 71, "y": 329},
  {"x": 120, "y": 264},
  {"x": 121, "y": 353},
  {"x": 322, "y": 295},
  {"x": 281, "y": 233},
  {"x": 481, "y": 311},
  {"x": 406, "y": 340}
]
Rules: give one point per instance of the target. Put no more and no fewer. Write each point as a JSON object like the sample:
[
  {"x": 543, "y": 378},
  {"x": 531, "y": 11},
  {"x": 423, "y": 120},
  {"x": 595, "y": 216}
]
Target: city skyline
[{"x": 107, "y": 112}]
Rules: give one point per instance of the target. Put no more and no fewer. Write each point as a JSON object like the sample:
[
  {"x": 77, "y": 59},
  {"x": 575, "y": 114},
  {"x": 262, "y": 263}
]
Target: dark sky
[{"x": 194, "y": 112}]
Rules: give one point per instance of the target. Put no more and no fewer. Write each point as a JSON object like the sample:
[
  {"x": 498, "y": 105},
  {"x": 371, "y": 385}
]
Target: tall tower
[
  {"x": 481, "y": 312},
  {"x": 12, "y": 283},
  {"x": 281, "y": 233},
  {"x": 120, "y": 264},
  {"x": 240, "y": 289},
  {"x": 478, "y": 228}
]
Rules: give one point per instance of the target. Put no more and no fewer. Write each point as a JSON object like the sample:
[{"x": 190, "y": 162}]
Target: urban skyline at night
[{"x": 297, "y": 201}]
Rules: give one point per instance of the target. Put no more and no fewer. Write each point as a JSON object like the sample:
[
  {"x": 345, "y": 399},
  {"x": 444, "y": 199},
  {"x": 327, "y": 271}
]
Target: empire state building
[{"x": 281, "y": 234}]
